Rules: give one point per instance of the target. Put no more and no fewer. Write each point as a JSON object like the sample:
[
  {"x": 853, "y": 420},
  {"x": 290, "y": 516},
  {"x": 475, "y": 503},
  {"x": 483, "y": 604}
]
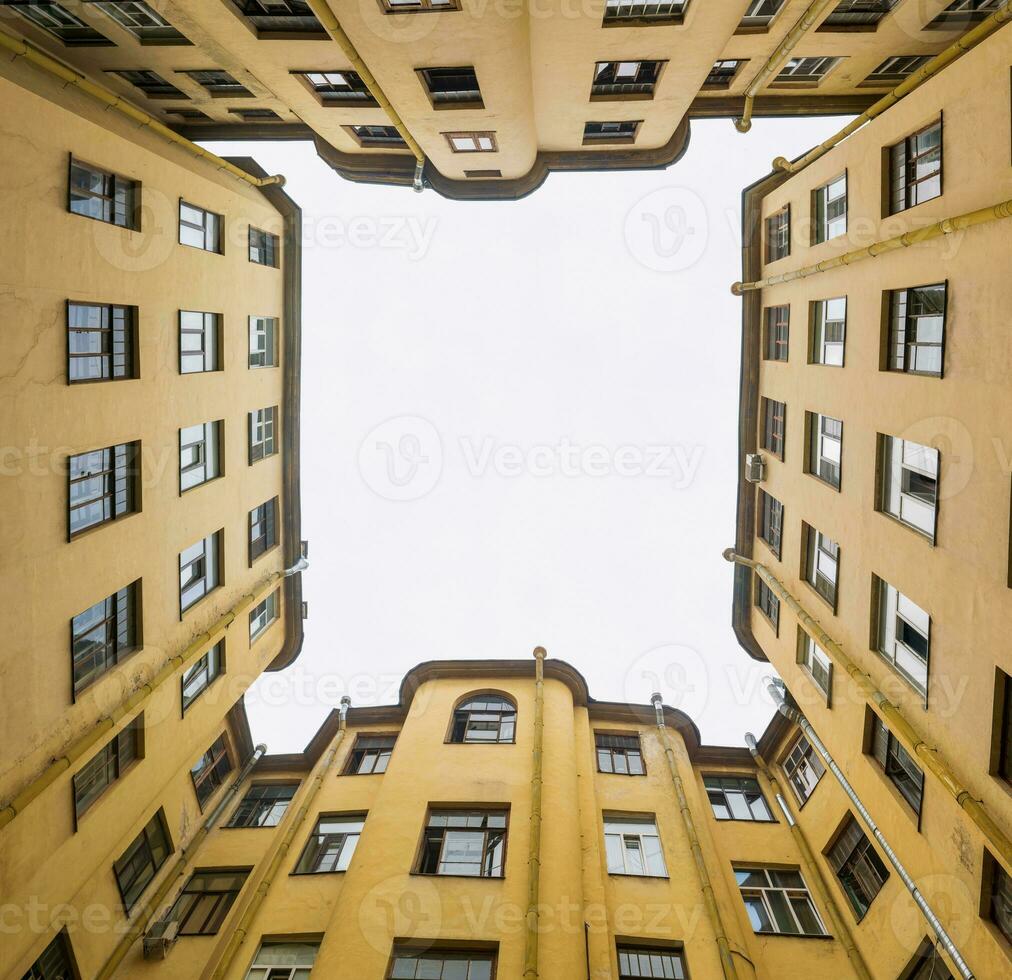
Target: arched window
[{"x": 484, "y": 718}]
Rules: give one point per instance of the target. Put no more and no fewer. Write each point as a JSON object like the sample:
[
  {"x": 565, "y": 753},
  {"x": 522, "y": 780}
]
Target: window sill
[
  {"x": 428, "y": 874},
  {"x": 629, "y": 874},
  {"x": 795, "y": 935}
]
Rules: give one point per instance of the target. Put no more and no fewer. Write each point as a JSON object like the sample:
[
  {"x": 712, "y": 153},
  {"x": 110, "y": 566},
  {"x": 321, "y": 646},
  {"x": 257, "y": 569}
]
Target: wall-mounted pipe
[
  {"x": 242, "y": 926},
  {"x": 21, "y": 49},
  {"x": 140, "y": 923},
  {"x": 932, "y": 759},
  {"x": 744, "y": 123},
  {"x": 840, "y": 927},
  {"x": 789, "y": 711},
  {"x": 84, "y": 743},
  {"x": 534, "y": 844},
  {"x": 946, "y": 226},
  {"x": 969, "y": 40},
  {"x": 727, "y": 963}
]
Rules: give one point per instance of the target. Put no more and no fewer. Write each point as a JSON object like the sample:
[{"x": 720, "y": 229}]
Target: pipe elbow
[
  {"x": 782, "y": 163},
  {"x": 742, "y": 124},
  {"x": 737, "y": 288}
]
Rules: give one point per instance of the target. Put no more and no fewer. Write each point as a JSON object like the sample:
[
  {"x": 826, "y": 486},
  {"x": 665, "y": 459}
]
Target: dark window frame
[
  {"x": 777, "y": 227},
  {"x": 258, "y": 448},
  {"x": 776, "y": 332},
  {"x": 899, "y": 324},
  {"x": 432, "y": 846},
  {"x": 1000, "y": 761},
  {"x": 770, "y": 523},
  {"x": 218, "y": 579},
  {"x": 460, "y": 719},
  {"x": 182, "y": 910},
  {"x": 54, "y": 962},
  {"x": 789, "y": 895},
  {"x": 995, "y": 878},
  {"x": 773, "y": 431},
  {"x": 120, "y": 475},
  {"x": 851, "y": 853},
  {"x": 259, "y": 810},
  {"x": 329, "y": 847},
  {"x": 351, "y": 91},
  {"x": 267, "y": 518},
  {"x": 125, "y": 336},
  {"x": 627, "y": 746},
  {"x": 444, "y": 950},
  {"x": 264, "y": 248},
  {"x": 296, "y": 25},
  {"x": 219, "y": 236},
  {"x": 832, "y": 477},
  {"x": 78, "y": 33},
  {"x": 370, "y": 746},
  {"x": 617, "y": 132},
  {"x": 661, "y": 951},
  {"x": 129, "y": 205},
  {"x": 800, "y": 757},
  {"x": 148, "y": 82},
  {"x": 143, "y": 845},
  {"x": 117, "y": 757},
  {"x": 642, "y": 88},
  {"x": 121, "y": 641},
  {"x": 212, "y": 771},
  {"x": 640, "y": 13},
  {"x": 895, "y": 763},
  {"x": 742, "y": 784},
  {"x": 900, "y": 194},
  {"x": 768, "y": 604},
  {"x": 194, "y": 670},
  {"x": 444, "y": 98},
  {"x": 812, "y": 539}
]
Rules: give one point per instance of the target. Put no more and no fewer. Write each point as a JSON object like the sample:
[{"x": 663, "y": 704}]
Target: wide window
[
  {"x": 281, "y": 960},
  {"x": 821, "y": 561},
  {"x": 897, "y": 764},
  {"x": 101, "y": 342},
  {"x": 894, "y": 70},
  {"x": 62, "y": 24},
  {"x": 210, "y": 770},
  {"x": 829, "y": 208},
  {"x": 282, "y": 19},
  {"x": 472, "y": 142},
  {"x": 139, "y": 864},
  {"x": 778, "y": 234},
  {"x": 816, "y": 663},
  {"x": 633, "y": 846},
  {"x": 206, "y": 899},
  {"x": 636, "y": 12},
  {"x": 199, "y": 454},
  {"x": 55, "y": 963},
  {"x": 610, "y": 132},
  {"x": 774, "y": 422},
  {"x": 640, "y": 962},
  {"x": 825, "y": 448},
  {"x": 927, "y": 964},
  {"x": 916, "y": 330},
  {"x": 338, "y": 87},
  {"x": 829, "y": 331},
  {"x": 804, "y": 72},
  {"x": 737, "y": 798},
  {"x": 103, "y": 486},
  {"x": 199, "y": 342},
  {"x": 904, "y": 634},
  {"x": 331, "y": 845},
  {"x": 484, "y": 718},
  {"x": 377, "y": 136},
  {"x": 199, "y": 228},
  {"x": 452, "y": 88},
  {"x": 619, "y": 754},
  {"x": 771, "y": 521},
  {"x": 107, "y": 765},
  {"x": 371, "y": 754},
  {"x": 262, "y": 433},
  {"x": 776, "y": 329},
  {"x": 963, "y": 13},
  {"x": 915, "y": 168},
  {"x": 722, "y": 73},
  {"x": 104, "y": 196},
  {"x": 625, "y": 79},
  {"x": 263, "y": 614},
  {"x": 264, "y": 805},
  {"x": 140, "y": 20},
  {"x": 219, "y": 83},
  {"x": 767, "y": 603},
  {"x": 758, "y": 15},
  {"x": 803, "y": 768},
  {"x": 465, "y": 842},
  {"x": 861, "y": 872},
  {"x": 909, "y": 487},
  {"x": 199, "y": 676},
  {"x": 850, "y": 15},
  {"x": 441, "y": 964},
  {"x": 102, "y": 635},
  {"x": 263, "y": 341},
  {"x": 777, "y": 901},
  {"x": 150, "y": 83},
  {"x": 200, "y": 570},
  {"x": 264, "y": 248},
  {"x": 263, "y": 529}
]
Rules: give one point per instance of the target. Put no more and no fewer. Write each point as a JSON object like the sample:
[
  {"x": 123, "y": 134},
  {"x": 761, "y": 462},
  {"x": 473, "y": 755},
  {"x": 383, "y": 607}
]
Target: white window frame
[
  {"x": 263, "y": 436},
  {"x": 803, "y": 768},
  {"x": 633, "y": 846},
  {"x": 828, "y": 314},
  {"x": 200, "y": 228},
  {"x": 896, "y": 611},
  {"x": 822, "y": 560},
  {"x": 786, "y": 897},
  {"x": 263, "y": 342},
  {"x": 901, "y": 462},
  {"x": 207, "y": 330},
  {"x": 816, "y": 663},
  {"x": 274, "y": 958},
  {"x": 828, "y": 226},
  {"x": 825, "y": 448},
  {"x": 199, "y": 454},
  {"x": 264, "y": 614},
  {"x": 209, "y": 550}
]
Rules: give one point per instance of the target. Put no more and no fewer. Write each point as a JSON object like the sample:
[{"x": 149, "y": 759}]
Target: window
[
  {"x": 759, "y": 14},
  {"x": 804, "y": 72},
  {"x": 464, "y": 842},
  {"x": 909, "y": 487},
  {"x": 452, "y": 88},
  {"x": 370, "y": 755},
  {"x": 637, "y": 12},
  {"x": 619, "y": 754},
  {"x": 1001, "y": 727},
  {"x": 108, "y": 765},
  {"x": 484, "y": 718},
  {"x": 150, "y": 83},
  {"x": 829, "y": 206},
  {"x": 256, "y": 115},
  {"x": 927, "y": 964},
  {"x": 610, "y": 132},
  {"x": 963, "y": 13},
  {"x": 625, "y": 79},
  {"x": 219, "y": 83},
  {"x": 103, "y": 486},
  {"x": 858, "y": 867},
  {"x": 206, "y": 899},
  {"x": 803, "y": 768},
  {"x": 200, "y": 229},
  {"x": 280, "y": 960},
  {"x": 102, "y": 635},
  {"x": 262, "y": 432},
  {"x": 331, "y": 845},
  {"x": 915, "y": 168},
  {"x": 821, "y": 562},
  {"x": 199, "y": 569},
  {"x": 144, "y": 23},
  {"x": 263, "y": 341},
  {"x": 61, "y": 23},
  {"x": 199, "y": 342},
  {"x": 896, "y": 69},
  {"x": 778, "y": 234},
  {"x": 633, "y": 847},
  {"x": 199, "y": 676},
  {"x": 263, "y": 529},
  {"x": 857, "y": 15},
  {"x": 441, "y": 964},
  {"x": 281, "y": 19},
  {"x": 816, "y": 663},
  {"x": 917, "y": 329},
  {"x": 199, "y": 454},
  {"x": 829, "y": 331},
  {"x": 55, "y": 963},
  {"x": 904, "y": 632},
  {"x": 137, "y": 866},
  {"x": 996, "y": 905},
  {"x": 101, "y": 342},
  {"x": 896, "y": 763},
  {"x": 377, "y": 136},
  {"x": 472, "y": 142},
  {"x": 774, "y": 420},
  {"x": 723, "y": 73},
  {"x": 737, "y": 798},
  {"x": 263, "y": 614},
  {"x": 344, "y": 87},
  {"x": 264, "y": 805},
  {"x": 825, "y": 448},
  {"x": 187, "y": 115},
  {"x": 210, "y": 770},
  {"x": 771, "y": 521},
  {"x": 776, "y": 324},
  {"x": 104, "y": 196},
  {"x": 264, "y": 248},
  {"x": 768, "y": 603},
  {"x": 481, "y": 174},
  {"x": 777, "y": 901},
  {"x": 638, "y": 962}
]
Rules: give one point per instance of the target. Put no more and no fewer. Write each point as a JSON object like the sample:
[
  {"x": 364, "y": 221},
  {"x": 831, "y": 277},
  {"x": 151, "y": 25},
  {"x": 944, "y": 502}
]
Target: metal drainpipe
[
  {"x": 241, "y": 928},
  {"x": 137, "y": 928},
  {"x": 779, "y": 56},
  {"x": 83, "y": 743},
  {"x": 969, "y": 40},
  {"x": 811, "y": 865},
  {"x": 933, "y": 760},
  {"x": 789, "y": 711},
  {"x": 21, "y": 49},
  {"x": 712, "y": 910},
  {"x": 534, "y": 844}
]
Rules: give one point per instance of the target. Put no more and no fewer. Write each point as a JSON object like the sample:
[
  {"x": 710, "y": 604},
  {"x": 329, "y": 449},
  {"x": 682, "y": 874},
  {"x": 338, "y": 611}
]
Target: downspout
[
  {"x": 137, "y": 928},
  {"x": 84, "y": 743},
  {"x": 789, "y": 711},
  {"x": 21, "y": 49},
  {"x": 323, "y": 13},
  {"x": 728, "y": 967},
  {"x": 944, "y": 227},
  {"x": 534, "y": 843},
  {"x": 241, "y": 928},
  {"x": 969, "y": 40},
  {"x": 897, "y": 723},
  {"x": 812, "y": 867},
  {"x": 779, "y": 56}
]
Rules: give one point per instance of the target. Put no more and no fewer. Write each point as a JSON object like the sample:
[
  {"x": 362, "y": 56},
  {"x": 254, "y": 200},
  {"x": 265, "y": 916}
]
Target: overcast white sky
[{"x": 519, "y": 428}]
